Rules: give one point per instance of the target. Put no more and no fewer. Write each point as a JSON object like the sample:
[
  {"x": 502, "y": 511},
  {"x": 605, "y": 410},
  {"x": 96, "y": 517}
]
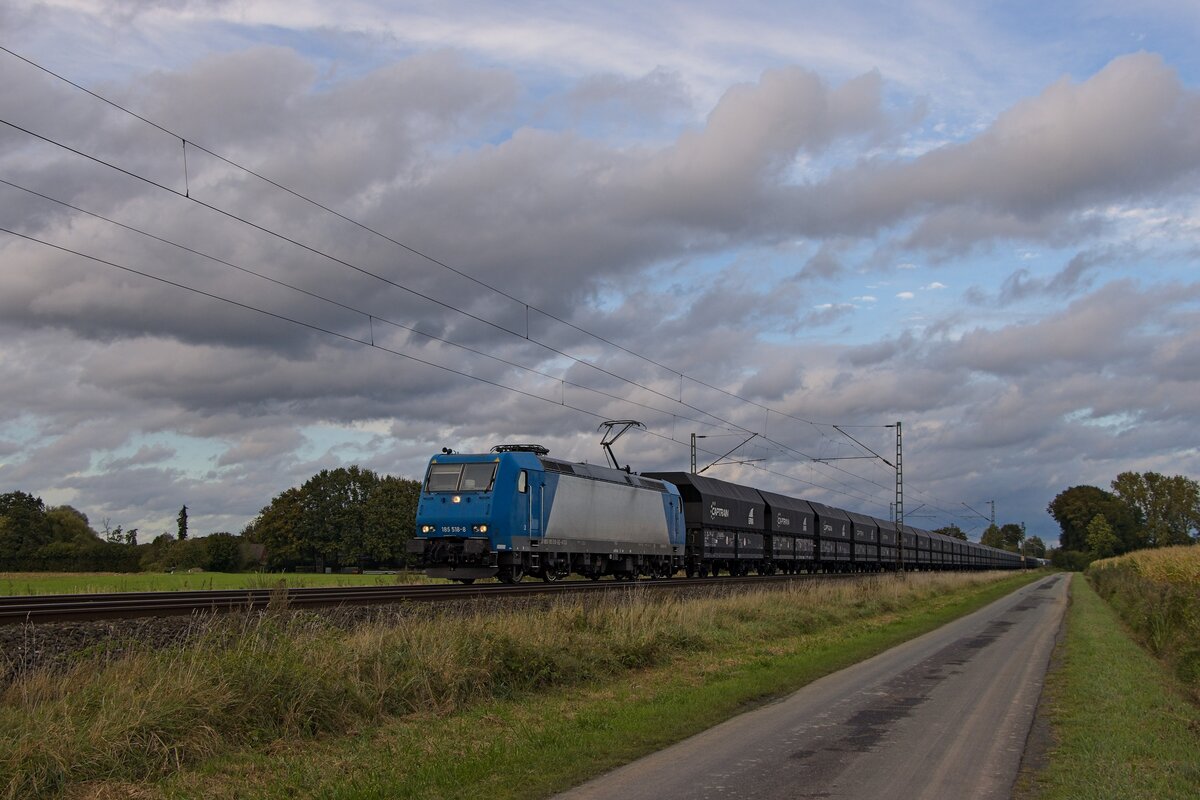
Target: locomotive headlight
[
  {"x": 456, "y": 499},
  {"x": 480, "y": 528},
  {"x": 427, "y": 529}
]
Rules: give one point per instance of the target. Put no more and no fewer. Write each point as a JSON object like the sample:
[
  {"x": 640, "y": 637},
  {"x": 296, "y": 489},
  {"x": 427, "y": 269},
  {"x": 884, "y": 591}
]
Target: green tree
[
  {"x": 224, "y": 554},
  {"x": 950, "y": 530},
  {"x": 1073, "y": 509},
  {"x": 182, "y": 524},
  {"x": 1035, "y": 547},
  {"x": 1169, "y": 506},
  {"x": 154, "y": 554},
  {"x": 1011, "y": 536},
  {"x": 277, "y": 527},
  {"x": 390, "y": 519},
  {"x": 338, "y": 516},
  {"x": 1100, "y": 537},
  {"x": 67, "y": 524},
  {"x": 992, "y": 537},
  {"x": 26, "y": 529}
]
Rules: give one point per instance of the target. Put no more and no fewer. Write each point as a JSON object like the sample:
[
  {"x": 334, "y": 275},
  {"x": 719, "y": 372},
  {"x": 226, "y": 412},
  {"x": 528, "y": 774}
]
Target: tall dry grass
[
  {"x": 250, "y": 681},
  {"x": 1157, "y": 593}
]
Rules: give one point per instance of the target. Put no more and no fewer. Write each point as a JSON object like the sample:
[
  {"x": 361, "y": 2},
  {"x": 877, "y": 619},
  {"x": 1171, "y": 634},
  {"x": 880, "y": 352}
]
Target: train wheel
[
  {"x": 550, "y": 575},
  {"x": 512, "y": 574}
]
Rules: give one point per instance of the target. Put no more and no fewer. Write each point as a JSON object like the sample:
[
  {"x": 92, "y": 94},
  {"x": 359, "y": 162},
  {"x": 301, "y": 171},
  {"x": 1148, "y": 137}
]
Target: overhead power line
[
  {"x": 367, "y": 343},
  {"x": 338, "y": 260},
  {"x": 186, "y": 194},
  {"x": 408, "y": 248}
]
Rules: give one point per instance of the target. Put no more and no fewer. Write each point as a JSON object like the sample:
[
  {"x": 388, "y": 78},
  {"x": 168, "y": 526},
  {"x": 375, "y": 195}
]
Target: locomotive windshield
[{"x": 460, "y": 478}]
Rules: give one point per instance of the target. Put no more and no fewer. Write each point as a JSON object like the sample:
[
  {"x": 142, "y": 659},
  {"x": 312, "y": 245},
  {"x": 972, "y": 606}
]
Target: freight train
[{"x": 516, "y": 511}]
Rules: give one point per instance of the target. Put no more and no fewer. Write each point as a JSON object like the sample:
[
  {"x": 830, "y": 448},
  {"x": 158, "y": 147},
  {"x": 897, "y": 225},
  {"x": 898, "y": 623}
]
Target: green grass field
[
  {"x": 1122, "y": 727},
  {"x": 21, "y": 583}
]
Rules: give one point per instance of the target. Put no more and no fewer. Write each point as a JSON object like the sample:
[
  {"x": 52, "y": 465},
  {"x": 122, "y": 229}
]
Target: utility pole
[{"x": 992, "y": 503}]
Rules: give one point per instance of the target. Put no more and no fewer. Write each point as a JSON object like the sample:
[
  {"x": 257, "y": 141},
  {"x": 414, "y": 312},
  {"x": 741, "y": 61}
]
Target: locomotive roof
[{"x": 600, "y": 473}]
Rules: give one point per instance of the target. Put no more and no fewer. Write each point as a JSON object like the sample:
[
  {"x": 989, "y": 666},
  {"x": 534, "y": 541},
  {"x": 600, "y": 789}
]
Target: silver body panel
[{"x": 598, "y": 511}]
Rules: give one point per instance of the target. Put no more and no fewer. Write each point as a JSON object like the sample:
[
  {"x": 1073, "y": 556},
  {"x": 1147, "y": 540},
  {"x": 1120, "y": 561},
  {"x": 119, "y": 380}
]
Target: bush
[{"x": 1070, "y": 560}]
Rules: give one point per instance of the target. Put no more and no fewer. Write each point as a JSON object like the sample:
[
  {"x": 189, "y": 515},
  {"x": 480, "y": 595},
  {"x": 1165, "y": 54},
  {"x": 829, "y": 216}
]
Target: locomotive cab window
[
  {"x": 460, "y": 478},
  {"x": 477, "y": 477},
  {"x": 523, "y": 482},
  {"x": 443, "y": 477}
]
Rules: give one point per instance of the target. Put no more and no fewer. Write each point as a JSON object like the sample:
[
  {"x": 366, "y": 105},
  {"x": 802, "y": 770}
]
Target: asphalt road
[{"x": 942, "y": 716}]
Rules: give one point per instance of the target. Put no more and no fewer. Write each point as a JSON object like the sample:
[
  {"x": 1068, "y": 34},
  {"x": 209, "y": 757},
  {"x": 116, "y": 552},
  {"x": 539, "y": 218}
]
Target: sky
[{"x": 255, "y": 240}]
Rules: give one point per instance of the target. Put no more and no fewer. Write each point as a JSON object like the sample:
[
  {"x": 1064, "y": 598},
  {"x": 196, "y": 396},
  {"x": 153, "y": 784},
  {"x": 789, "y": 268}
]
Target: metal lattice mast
[{"x": 900, "y": 491}]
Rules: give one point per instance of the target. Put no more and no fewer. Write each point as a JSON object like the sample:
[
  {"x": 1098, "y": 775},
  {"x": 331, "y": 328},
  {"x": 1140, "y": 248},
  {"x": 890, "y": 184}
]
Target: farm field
[
  {"x": 22, "y": 583},
  {"x": 503, "y": 703}
]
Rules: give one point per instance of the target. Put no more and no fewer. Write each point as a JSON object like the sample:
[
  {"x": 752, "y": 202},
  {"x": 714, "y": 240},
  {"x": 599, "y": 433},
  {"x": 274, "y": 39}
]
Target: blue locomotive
[{"x": 515, "y": 512}]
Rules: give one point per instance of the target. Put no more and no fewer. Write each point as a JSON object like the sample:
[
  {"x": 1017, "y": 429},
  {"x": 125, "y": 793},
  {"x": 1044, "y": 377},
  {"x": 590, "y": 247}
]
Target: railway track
[{"x": 34, "y": 609}]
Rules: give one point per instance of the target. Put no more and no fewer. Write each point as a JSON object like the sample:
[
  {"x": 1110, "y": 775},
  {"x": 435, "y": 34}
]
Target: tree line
[
  {"x": 35, "y": 537},
  {"x": 1143, "y": 510},
  {"x": 346, "y": 517},
  {"x": 1008, "y": 536}
]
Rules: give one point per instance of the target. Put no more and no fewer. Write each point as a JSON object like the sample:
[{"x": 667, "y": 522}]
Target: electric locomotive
[{"x": 516, "y": 511}]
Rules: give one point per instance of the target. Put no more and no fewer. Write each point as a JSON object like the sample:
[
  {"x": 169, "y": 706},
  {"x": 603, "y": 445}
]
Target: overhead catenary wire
[
  {"x": 845, "y": 492},
  {"x": 367, "y": 343},
  {"x": 395, "y": 284},
  {"x": 371, "y": 317},
  {"x": 388, "y": 281},
  {"x": 408, "y": 248},
  {"x": 188, "y": 195}
]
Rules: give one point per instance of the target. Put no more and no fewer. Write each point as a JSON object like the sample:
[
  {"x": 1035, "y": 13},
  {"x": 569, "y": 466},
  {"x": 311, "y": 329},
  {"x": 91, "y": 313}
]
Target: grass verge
[
  {"x": 1157, "y": 593},
  {"x": 1121, "y": 726},
  {"x": 536, "y": 744},
  {"x": 518, "y": 702}
]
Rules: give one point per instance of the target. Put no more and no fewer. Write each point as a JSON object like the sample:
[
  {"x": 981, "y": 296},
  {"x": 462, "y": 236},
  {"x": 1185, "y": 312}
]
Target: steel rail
[{"x": 32, "y": 609}]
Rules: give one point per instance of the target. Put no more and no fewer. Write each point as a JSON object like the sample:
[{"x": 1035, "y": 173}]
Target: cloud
[
  {"x": 601, "y": 204},
  {"x": 1128, "y": 130}
]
